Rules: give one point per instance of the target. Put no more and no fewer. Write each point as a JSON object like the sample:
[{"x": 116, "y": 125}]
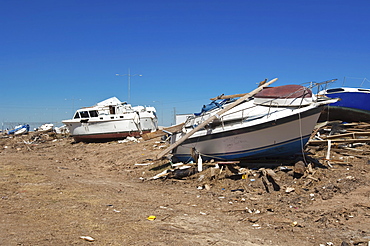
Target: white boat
[
  {"x": 61, "y": 129},
  {"x": 276, "y": 122},
  {"x": 45, "y": 128},
  {"x": 111, "y": 119}
]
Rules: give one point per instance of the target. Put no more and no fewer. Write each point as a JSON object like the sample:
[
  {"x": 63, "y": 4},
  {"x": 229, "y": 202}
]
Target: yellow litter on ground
[{"x": 152, "y": 217}]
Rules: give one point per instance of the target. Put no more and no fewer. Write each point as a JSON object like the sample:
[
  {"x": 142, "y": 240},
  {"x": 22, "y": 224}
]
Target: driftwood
[{"x": 210, "y": 119}]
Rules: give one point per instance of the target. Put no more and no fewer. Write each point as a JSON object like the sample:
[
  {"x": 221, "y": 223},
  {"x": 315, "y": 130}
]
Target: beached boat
[
  {"x": 19, "y": 130},
  {"x": 353, "y": 105},
  {"x": 276, "y": 122},
  {"x": 45, "y": 128},
  {"x": 61, "y": 129},
  {"x": 111, "y": 119}
]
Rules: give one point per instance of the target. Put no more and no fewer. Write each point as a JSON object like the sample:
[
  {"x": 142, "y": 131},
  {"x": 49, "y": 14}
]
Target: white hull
[
  {"x": 110, "y": 120},
  {"x": 110, "y": 129},
  {"x": 21, "y": 131},
  {"x": 45, "y": 128},
  {"x": 250, "y": 131}
]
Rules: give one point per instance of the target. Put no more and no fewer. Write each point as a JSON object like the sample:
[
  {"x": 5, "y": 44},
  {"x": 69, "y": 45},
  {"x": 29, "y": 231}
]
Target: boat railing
[
  {"x": 354, "y": 78},
  {"x": 273, "y": 106},
  {"x": 320, "y": 86}
]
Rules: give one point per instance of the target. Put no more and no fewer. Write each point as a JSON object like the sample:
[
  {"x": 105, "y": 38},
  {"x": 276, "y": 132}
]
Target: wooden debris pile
[
  {"x": 332, "y": 143},
  {"x": 341, "y": 141}
]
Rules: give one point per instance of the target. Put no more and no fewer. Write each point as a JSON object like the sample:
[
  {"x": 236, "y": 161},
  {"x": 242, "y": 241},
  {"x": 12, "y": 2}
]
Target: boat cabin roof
[{"x": 285, "y": 91}]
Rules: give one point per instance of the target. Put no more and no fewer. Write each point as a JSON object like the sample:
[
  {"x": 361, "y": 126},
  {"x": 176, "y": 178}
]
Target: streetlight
[
  {"x": 128, "y": 78},
  {"x": 73, "y": 103}
]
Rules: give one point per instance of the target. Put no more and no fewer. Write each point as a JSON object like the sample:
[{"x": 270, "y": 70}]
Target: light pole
[
  {"x": 128, "y": 81},
  {"x": 73, "y": 103}
]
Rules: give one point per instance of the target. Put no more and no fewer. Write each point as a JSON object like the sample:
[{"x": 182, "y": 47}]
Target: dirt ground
[{"x": 56, "y": 192}]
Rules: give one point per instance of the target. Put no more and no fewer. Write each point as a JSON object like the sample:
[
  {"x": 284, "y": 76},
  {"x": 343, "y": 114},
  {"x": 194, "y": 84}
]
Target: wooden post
[{"x": 210, "y": 119}]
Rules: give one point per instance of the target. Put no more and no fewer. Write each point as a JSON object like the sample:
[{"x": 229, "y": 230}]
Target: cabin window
[
  {"x": 84, "y": 114},
  {"x": 77, "y": 116},
  {"x": 93, "y": 113},
  {"x": 334, "y": 90}
]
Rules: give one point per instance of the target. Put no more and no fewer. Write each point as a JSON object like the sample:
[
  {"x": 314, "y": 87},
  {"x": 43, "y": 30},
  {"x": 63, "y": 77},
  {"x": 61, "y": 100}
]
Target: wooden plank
[
  {"x": 210, "y": 119},
  {"x": 228, "y": 96},
  {"x": 315, "y": 142},
  {"x": 236, "y": 95},
  {"x": 352, "y": 134},
  {"x": 353, "y": 150},
  {"x": 357, "y": 124},
  {"x": 227, "y": 162},
  {"x": 160, "y": 133},
  {"x": 356, "y": 130}
]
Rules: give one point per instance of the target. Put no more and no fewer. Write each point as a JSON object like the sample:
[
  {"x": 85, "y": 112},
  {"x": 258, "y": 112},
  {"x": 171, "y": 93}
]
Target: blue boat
[
  {"x": 19, "y": 130},
  {"x": 353, "y": 105}
]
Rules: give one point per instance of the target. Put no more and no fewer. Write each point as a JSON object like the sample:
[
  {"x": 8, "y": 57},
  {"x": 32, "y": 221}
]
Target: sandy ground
[{"x": 54, "y": 191}]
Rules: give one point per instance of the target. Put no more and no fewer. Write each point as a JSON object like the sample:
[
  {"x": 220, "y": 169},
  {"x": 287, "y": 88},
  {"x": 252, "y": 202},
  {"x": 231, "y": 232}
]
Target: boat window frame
[
  {"x": 93, "y": 113},
  {"x": 336, "y": 90},
  {"x": 84, "y": 114}
]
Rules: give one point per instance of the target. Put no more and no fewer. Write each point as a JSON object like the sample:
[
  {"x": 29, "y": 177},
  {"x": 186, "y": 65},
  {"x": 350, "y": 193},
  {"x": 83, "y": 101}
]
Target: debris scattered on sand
[{"x": 87, "y": 238}]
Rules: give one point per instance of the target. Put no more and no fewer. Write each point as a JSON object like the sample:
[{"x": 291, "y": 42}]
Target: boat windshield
[
  {"x": 93, "y": 113},
  {"x": 84, "y": 114}
]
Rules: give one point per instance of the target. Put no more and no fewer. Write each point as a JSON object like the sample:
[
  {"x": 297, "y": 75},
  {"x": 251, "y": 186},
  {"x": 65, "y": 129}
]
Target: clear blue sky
[{"x": 57, "y": 56}]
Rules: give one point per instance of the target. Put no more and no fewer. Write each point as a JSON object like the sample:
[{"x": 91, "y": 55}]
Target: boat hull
[
  {"x": 358, "y": 100},
  {"x": 276, "y": 137},
  {"x": 344, "y": 114},
  {"x": 19, "y": 130},
  {"x": 103, "y": 137},
  {"x": 353, "y": 106},
  {"x": 104, "y": 130}
]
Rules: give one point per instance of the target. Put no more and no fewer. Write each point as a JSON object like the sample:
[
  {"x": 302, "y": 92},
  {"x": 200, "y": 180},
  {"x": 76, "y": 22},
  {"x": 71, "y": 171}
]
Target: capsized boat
[
  {"x": 353, "y": 105},
  {"x": 276, "y": 122},
  {"x": 111, "y": 119}
]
